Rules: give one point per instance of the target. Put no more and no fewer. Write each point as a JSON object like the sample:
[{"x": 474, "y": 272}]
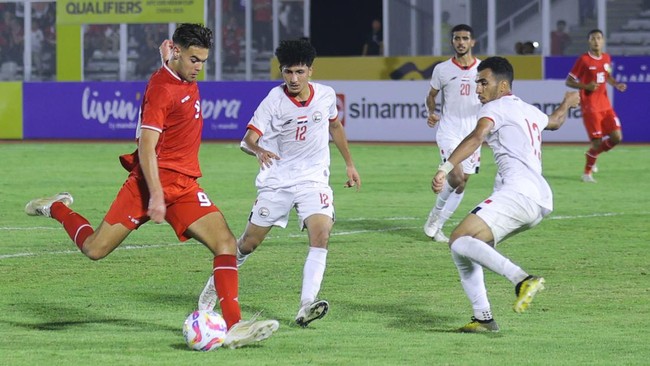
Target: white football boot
[
  {"x": 251, "y": 331},
  {"x": 41, "y": 206}
]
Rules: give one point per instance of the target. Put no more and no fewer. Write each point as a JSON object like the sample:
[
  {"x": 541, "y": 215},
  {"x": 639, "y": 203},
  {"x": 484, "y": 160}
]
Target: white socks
[
  {"x": 471, "y": 277},
  {"x": 241, "y": 258},
  {"x": 312, "y": 275},
  {"x": 447, "y": 202},
  {"x": 441, "y": 200}
]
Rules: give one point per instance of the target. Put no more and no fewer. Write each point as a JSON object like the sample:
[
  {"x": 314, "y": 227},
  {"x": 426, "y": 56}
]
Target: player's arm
[
  {"x": 341, "y": 141},
  {"x": 466, "y": 148},
  {"x": 250, "y": 146},
  {"x": 149, "y": 164},
  {"x": 619, "y": 86},
  {"x": 576, "y": 84},
  {"x": 165, "y": 49},
  {"x": 558, "y": 117},
  {"x": 431, "y": 107}
]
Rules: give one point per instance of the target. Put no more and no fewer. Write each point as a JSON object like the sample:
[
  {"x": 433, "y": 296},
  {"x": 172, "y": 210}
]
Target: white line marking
[{"x": 300, "y": 235}]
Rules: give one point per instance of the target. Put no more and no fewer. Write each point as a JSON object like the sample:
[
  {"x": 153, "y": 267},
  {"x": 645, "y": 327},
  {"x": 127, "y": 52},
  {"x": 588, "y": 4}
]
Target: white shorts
[
  {"x": 508, "y": 212},
  {"x": 272, "y": 207},
  {"x": 447, "y": 146}
]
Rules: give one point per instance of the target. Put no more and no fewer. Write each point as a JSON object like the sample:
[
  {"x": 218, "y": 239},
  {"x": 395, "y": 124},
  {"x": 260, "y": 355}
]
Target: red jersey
[
  {"x": 172, "y": 107},
  {"x": 588, "y": 68}
]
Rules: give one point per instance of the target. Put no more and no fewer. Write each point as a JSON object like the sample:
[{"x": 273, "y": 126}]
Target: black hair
[
  {"x": 187, "y": 35},
  {"x": 595, "y": 31},
  {"x": 501, "y": 68},
  {"x": 295, "y": 52},
  {"x": 462, "y": 27}
]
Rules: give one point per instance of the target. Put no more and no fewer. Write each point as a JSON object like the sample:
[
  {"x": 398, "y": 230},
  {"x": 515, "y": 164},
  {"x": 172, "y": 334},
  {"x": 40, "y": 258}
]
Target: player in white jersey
[
  {"x": 521, "y": 196},
  {"x": 289, "y": 134},
  {"x": 454, "y": 79}
]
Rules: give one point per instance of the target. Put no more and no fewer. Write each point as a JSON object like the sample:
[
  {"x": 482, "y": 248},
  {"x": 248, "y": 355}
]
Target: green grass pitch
[{"x": 395, "y": 296}]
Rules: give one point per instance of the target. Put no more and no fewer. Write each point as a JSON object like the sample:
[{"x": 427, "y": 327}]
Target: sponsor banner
[
  {"x": 110, "y": 110},
  {"x": 128, "y": 11},
  {"x": 370, "y": 110},
  {"x": 527, "y": 67},
  {"x": 11, "y": 118},
  {"x": 395, "y": 111}
]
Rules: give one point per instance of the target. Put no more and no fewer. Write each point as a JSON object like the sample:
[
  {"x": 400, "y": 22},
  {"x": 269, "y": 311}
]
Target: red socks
[
  {"x": 592, "y": 154},
  {"x": 226, "y": 283},
  {"x": 77, "y": 227}
]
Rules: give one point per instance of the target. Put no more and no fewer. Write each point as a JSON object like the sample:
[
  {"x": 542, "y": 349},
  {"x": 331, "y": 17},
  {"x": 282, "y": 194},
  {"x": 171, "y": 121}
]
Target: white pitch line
[{"x": 300, "y": 235}]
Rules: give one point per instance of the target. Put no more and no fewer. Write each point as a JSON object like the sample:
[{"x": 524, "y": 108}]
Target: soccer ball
[{"x": 204, "y": 330}]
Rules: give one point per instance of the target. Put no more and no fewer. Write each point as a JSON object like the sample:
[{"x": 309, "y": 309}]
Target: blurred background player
[
  {"x": 289, "y": 134},
  {"x": 162, "y": 183},
  {"x": 590, "y": 74},
  {"x": 521, "y": 196},
  {"x": 455, "y": 78}
]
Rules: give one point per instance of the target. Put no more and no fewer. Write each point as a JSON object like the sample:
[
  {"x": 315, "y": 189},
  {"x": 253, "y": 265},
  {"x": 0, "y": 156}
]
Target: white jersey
[
  {"x": 298, "y": 134},
  {"x": 516, "y": 140},
  {"x": 459, "y": 100}
]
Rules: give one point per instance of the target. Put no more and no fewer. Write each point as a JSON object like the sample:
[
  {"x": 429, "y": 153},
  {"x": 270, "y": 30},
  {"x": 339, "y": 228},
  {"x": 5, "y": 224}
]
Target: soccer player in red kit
[
  {"x": 589, "y": 74},
  {"x": 162, "y": 182}
]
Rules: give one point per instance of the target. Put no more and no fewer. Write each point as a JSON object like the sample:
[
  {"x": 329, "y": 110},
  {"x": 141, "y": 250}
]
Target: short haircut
[
  {"x": 561, "y": 22},
  {"x": 187, "y": 35},
  {"x": 462, "y": 27},
  {"x": 593, "y": 31},
  {"x": 295, "y": 52},
  {"x": 501, "y": 68}
]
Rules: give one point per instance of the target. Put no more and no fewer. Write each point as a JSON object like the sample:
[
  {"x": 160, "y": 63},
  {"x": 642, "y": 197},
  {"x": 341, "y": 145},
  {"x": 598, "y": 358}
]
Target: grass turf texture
[{"x": 395, "y": 296}]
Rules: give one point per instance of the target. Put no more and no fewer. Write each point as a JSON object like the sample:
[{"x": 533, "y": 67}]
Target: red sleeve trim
[
  {"x": 251, "y": 127},
  {"x": 152, "y": 128}
]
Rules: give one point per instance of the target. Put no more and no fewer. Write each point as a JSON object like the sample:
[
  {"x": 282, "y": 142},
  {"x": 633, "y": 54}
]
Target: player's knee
[
  {"x": 616, "y": 138},
  {"x": 94, "y": 253},
  {"x": 319, "y": 239}
]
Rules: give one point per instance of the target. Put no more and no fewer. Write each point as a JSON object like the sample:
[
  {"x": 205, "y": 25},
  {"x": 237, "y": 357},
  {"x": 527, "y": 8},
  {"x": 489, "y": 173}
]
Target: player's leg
[
  {"x": 252, "y": 237},
  {"x": 611, "y": 128},
  {"x": 213, "y": 231},
  {"x": 193, "y": 215},
  {"x": 95, "y": 244},
  {"x": 502, "y": 215},
  {"x": 311, "y": 308},
  {"x": 270, "y": 208},
  {"x": 593, "y": 125},
  {"x": 453, "y": 191},
  {"x": 315, "y": 209}
]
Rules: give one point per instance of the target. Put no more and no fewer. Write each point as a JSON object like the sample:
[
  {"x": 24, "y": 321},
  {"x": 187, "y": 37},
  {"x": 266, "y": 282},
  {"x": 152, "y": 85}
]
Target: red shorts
[
  {"x": 599, "y": 124},
  {"x": 186, "y": 202}
]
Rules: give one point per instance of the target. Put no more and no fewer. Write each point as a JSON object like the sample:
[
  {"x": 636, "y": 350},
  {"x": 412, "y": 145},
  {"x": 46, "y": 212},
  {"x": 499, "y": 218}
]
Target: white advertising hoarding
[{"x": 395, "y": 111}]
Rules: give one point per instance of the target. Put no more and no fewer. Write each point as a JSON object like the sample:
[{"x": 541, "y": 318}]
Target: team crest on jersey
[
  {"x": 317, "y": 117},
  {"x": 608, "y": 68},
  {"x": 263, "y": 212}
]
